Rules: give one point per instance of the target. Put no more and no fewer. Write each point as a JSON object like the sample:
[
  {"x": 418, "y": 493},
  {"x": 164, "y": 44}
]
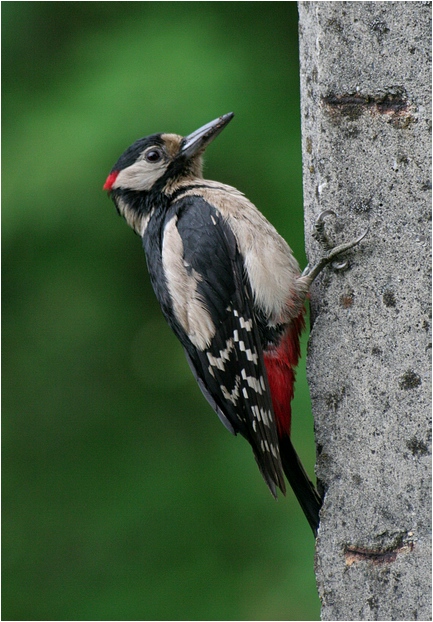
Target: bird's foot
[{"x": 330, "y": 253}]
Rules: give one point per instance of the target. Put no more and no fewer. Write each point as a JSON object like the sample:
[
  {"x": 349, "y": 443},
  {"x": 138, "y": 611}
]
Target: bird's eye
[{"x": 153, "y": 155}]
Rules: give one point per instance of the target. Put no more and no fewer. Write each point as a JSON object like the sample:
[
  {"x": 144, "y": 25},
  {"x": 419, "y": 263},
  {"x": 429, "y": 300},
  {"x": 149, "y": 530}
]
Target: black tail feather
[{"x": 303, "y": 488}]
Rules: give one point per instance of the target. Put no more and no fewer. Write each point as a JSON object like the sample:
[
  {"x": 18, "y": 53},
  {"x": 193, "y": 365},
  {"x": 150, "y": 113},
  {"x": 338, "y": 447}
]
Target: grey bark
[{"x": 365, "y": 99}]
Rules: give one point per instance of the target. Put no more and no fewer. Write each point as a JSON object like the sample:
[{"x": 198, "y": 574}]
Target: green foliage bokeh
[{"x": 124, "y": 498}]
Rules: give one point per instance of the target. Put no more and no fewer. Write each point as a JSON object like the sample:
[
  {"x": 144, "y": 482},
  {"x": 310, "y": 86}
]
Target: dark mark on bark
[
  {"x": 394, "y": 104},
  {"x": 389, "y": 298},
  {"x": 417, "y": 447},
  {"x": 410, "y": 380},
  {"x": 346, "y": 300},
  {"x": 334, "y": 399}
]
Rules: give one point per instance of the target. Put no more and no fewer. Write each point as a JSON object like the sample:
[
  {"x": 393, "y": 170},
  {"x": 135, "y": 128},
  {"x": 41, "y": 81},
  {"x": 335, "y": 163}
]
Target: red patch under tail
[{"x": 280, "y": 363}]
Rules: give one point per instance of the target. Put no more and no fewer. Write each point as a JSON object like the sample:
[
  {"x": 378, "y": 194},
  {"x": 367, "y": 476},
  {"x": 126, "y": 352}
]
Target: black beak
[{"x": 200, "y": 139}]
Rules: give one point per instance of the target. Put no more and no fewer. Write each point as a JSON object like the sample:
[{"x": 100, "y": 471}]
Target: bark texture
[{"x": 365, "y": 91}]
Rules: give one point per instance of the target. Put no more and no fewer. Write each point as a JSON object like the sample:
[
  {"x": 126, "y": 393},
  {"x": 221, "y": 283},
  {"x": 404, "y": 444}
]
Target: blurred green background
[{"x": 124, "y": 498}]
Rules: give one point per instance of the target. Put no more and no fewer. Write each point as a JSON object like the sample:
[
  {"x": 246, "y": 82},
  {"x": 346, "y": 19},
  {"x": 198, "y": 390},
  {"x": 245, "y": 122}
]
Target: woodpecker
[{"x": 230, "y": 289}]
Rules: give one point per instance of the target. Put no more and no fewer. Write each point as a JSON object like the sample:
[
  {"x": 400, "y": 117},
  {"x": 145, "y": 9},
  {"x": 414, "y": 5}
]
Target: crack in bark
[
  {"x": 394, "y": 104},
  {"x": 355, "y": 554}
]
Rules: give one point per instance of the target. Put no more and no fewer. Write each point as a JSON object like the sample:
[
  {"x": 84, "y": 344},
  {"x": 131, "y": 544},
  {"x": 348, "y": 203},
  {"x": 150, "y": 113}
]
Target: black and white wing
[{"x": 212, "y": 314}]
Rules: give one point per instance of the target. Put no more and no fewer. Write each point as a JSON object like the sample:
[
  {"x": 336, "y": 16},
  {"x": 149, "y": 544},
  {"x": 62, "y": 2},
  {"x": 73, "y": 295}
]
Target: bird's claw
[
  {"x": 330, "y": 252},
  {"x": 319, "y": 233},
  {"x": 340, "y": 266}
]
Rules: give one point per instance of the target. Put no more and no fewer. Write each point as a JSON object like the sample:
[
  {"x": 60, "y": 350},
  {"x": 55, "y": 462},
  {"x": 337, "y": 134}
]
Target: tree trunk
[{"x": 365, "y": 91}]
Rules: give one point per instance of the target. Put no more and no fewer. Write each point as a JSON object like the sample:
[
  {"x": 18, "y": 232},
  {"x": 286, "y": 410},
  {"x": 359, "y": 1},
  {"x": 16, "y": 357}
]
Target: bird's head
[{"x": 154, "y": 166}]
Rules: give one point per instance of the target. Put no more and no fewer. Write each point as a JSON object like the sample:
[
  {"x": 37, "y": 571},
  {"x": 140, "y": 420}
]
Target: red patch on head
[{"x": 110, "y": 181}]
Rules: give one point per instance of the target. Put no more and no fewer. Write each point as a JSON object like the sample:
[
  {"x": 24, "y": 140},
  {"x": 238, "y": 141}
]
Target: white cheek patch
[{"x": 140, "y": 176}]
